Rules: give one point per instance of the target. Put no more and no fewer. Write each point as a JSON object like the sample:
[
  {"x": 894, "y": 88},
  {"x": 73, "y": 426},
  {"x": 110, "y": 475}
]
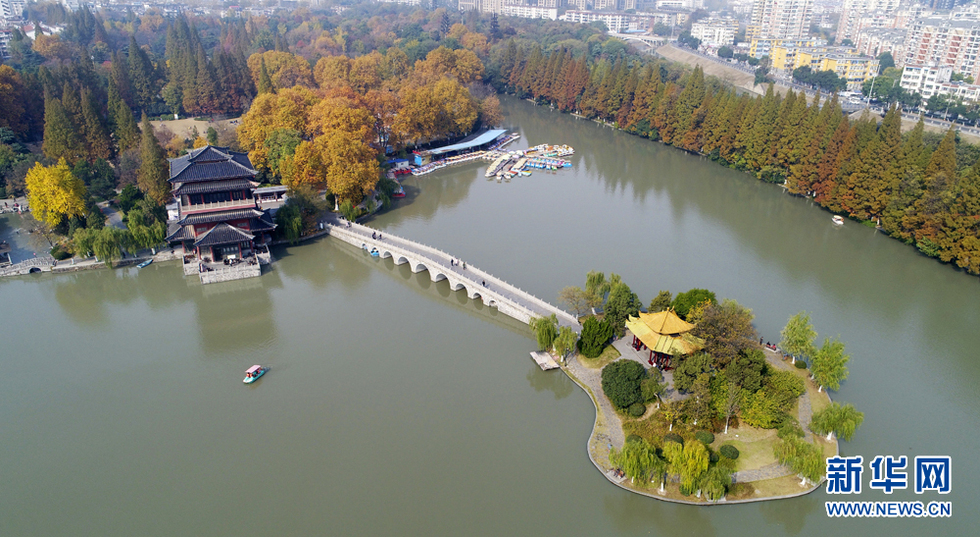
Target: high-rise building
[
  {"x": 10, "y": 9},
  {"x": 780, "y": 19},
  {"x": 950, "y": 40},
  {"x": 855, "y": 10}
]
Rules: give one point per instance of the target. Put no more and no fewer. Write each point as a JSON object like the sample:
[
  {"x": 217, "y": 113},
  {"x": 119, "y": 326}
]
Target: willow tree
[
  {"x": 829, "y": 366},
  {"x": 804, "y": 458},
  {"x": 545, "y": 329},
  {"x": 797, "y": 336},
  {"x": 843, "y": 420},
  {"x": 638, "y": 459}
]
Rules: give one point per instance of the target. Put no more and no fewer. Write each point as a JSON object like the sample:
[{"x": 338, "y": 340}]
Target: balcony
[{"x": 217, "y": 205}]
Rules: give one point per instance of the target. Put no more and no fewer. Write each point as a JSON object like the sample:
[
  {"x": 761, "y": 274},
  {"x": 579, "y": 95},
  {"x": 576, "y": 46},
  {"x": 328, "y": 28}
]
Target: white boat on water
[{"x": 838, "y": 220}]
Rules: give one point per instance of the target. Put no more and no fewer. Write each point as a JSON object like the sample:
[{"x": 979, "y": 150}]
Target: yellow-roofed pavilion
[{"x": 665, "y": 335}]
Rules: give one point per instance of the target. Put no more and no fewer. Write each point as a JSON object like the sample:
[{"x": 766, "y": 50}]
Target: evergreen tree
[
  {"x": 60, "y": 137},
  {"x": 95, "y": 132},
  {"x": 141, "y": 76},
  {"x": 122, "y": 122},
  {"x": 265, "y": 82},
  {"x": 208, "y": 96},
  {"x": 119, "y": 78},
  {"x": 154, "y": 169}
]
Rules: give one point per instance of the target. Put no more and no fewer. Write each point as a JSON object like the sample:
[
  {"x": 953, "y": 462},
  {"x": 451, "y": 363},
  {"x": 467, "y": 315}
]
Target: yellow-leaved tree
[{"x": 54, "y": 193}]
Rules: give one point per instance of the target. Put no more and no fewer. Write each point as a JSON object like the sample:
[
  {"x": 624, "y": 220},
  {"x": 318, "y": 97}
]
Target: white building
[
  {"x": 925, "y": 79},
  {"x": 780, "y": 19},
  {"x": 715, "y": 32},
  {"x": 854, "y": 10},
  {"x": 12, "y": 9},
  {"x": 529, "y": 12},
  {"x": 689, "y": 5},
  {"x": 615, "y": 22},
  {"x": 423, "y": 3}
]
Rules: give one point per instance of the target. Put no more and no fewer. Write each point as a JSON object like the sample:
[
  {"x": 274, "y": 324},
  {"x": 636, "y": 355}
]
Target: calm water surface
[{"x": 398, "y": 407}]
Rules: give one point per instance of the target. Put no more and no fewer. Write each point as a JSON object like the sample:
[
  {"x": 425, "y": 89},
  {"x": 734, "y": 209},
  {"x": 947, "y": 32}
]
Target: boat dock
[{"x": 544, "y": 360}]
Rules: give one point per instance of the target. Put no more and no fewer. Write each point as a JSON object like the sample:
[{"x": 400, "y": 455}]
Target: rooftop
[
  {"x": 210, "y": 163},
  {"x": 484, "y": 138}
]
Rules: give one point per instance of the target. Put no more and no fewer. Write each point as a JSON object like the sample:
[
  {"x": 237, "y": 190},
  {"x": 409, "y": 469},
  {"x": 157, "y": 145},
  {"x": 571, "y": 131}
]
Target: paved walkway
[
  {"x": 507, "y": 298},
  {"x": 805, "y": 407},
  {"x": 608, "y": 431}
]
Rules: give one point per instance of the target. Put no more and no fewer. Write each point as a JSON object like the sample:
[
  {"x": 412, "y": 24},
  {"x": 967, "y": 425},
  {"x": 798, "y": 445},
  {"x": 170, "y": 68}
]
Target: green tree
[
  {"x": 638, "y": 460},
  {"x": 565, "y": 342},
  {"x": 731, "y": 401},
  {"x": 141, "y": 75},
  {"x": 54, "y": 194},
  {"x": 683, "y": 302},
  {"x": 802, "y": 457},
  {"x": 690, "y": 461},
  {"x": 652, "y": 387},
  {"x": 595, "y": 335},
  {"x": 621, "y": 382},
  {"x": 61, "y": 140},
  {"x": 212, "y": 136},
  {"x": 596, "y": 285},
  {"x": 545, "y": 330},
  {"x": 797, "y": 336},
  {"x": 748, "y": 370},
  {"x": 154, "y": 170},
  {"x": 109, "y": 243},
  {"x": 265, "y": 84},
  {"x": 842, "y": 420},
  {"x": 689, "y": 368},
  {"x": 699, "y": 403},
  {"x": 622, "y": 304},
  {"x": 829, "y": 366},
  {"x": 661, "y": 302}
]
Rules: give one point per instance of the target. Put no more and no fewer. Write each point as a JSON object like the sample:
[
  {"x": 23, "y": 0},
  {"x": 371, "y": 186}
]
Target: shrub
[
  {"x": 633, "y": 438},
  {"x": 595, "y": 334},
  {"x": 674, "y": 437},
  {"x": 789, "y": 428},
  {"x": 729, "y": 451},
  {"x": 704, "y": 437},
  {"x": 800, "y": 364},
  {"x": 621, "y": 382},
  {"x": 713, "y": 457},
  {"x": 60, "y": 253},
  {"x": 637, "y": 409}
]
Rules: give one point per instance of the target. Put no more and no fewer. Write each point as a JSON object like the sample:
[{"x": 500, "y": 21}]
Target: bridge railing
[{"x": 526, "y": 296}]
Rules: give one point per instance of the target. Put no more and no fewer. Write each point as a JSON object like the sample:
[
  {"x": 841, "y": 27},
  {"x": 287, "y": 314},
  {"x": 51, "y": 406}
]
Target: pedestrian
[
  {"x": 464, "y": 265},
  {"x": 374, "y": 235}
]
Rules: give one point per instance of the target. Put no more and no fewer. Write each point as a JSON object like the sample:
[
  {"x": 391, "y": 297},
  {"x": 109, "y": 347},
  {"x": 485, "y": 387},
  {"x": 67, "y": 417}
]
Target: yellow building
[
  {"x": 759, "y": 47},
  {"x": 844, "y": 61}
]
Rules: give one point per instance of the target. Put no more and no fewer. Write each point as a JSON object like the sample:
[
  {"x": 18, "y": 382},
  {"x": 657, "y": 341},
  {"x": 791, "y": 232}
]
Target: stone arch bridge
[{"x": 496, "y": 293}]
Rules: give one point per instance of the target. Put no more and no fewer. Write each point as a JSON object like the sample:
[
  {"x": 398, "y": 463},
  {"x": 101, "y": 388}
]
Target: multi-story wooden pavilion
[
  {"x": 665, "y": 335},
  {"x": 218, "y": 217}
]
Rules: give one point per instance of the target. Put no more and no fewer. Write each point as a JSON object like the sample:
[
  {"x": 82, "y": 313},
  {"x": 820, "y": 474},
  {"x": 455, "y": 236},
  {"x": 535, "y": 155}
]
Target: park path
[
  {"x": 805, "y": 407},
  {"x": 608, "y": 430}
]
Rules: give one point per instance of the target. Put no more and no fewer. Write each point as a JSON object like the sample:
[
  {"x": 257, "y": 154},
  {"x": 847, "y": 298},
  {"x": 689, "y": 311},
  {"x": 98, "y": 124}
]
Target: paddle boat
[
  {"x": 253, "y": 373},
  {"x": 399, "y": 192},
  {"x": 838, "y": 220},
  {"x": 145, "y": 264}
]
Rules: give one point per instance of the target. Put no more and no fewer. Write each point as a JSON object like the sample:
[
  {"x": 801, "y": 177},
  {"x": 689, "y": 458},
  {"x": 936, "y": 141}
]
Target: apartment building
[
  {"x": 715, "y": 31},
  {"x": 780, "y": 19},
  {"x": 530, "y": 12},
  {"x": 950, "y": 40},
  {"x": 759, "y": 47},
  {"x": 854, "y": 10},
  {"x": 615, "y": 22},
  {"x": 877, "y": 41},
  {"x": 925, "y": 79}
]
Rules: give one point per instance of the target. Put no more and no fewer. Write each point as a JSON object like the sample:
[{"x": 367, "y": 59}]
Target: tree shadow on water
[
  {"x": 634, "y": 514},
  {"x": 553, "y": 381}
]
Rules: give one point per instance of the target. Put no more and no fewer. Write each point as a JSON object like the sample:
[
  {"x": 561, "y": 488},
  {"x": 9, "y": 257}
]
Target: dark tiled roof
[
  {"x": 176, "y": 233},
  {"x": 223, "y": 234},
  {"x": 215, "y": 186},
  {"x": 223, "y": 216},
  {"x": 263, "y": 223},
  {"x": 210, "y": 163}
]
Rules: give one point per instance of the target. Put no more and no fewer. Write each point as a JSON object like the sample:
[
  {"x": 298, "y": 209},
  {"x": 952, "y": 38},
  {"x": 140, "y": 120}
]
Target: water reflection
[
  {"x": 554, "y": 381},
  {"x": 636, "y": 514},
  {"x": 791, "y": 515}
]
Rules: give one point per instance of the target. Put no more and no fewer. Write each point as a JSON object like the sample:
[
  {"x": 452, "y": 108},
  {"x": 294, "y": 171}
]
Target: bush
[
  {"x": 674, "y": 437},
  {"x": 633, "y": 438},
  {"x": 637, "y": 409},
  {"x": 713, "y": 457},
  {"x": 60, "y": 253},
  {"x": 595, "y": 334},
  {"x": 729, "y": 451},
  {"x": 621, "y": 382},
  {"x": 704, "y": 437},
  {"x": 789, "y": 428},
  {"x": 800, "y": 364}
]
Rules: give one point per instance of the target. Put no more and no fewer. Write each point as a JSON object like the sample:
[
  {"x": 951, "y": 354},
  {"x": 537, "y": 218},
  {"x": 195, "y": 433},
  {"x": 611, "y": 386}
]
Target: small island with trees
[{"x": 692, "y": 406}]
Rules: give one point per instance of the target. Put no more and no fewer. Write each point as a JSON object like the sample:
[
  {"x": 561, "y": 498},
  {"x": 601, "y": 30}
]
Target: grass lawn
[
  {"x": 754, "y": 446},
  {"x": 608, "y": 355}
]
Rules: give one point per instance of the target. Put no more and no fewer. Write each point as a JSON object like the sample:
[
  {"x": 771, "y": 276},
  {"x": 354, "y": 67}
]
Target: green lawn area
[
  {"x": 608, "y": 355},
  {"x": 754, "y": 446}
]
